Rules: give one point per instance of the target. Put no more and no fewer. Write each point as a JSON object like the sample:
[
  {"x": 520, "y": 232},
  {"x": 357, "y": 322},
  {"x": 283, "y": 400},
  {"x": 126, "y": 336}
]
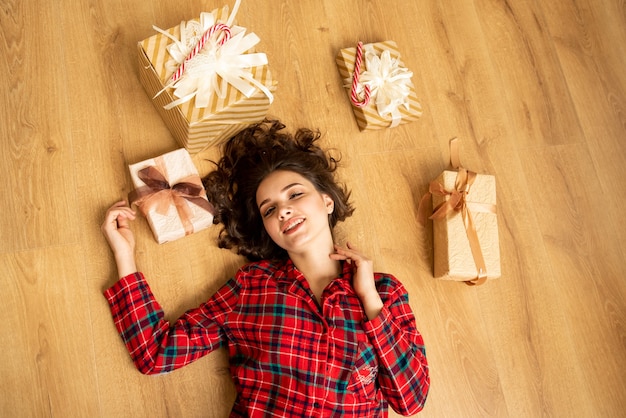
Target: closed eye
[{"x": 291, "y": 195}]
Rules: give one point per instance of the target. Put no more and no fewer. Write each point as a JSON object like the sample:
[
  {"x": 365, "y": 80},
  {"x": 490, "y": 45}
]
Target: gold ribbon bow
[
  {"x": 457, "y": 202},
  {"x": 159, "y": 194}
]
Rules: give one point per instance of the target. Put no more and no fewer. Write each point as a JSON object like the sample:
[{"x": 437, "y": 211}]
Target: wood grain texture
[{"x": 536, "y": 92}]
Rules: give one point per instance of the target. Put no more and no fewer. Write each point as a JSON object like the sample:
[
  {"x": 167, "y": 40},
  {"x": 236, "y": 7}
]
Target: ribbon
[
  {"x": 160, "y": 195},
  {"x": 217, "y": 58},
  {"x": 387, "y": 81},
  {"x": 456, "y": 201}
]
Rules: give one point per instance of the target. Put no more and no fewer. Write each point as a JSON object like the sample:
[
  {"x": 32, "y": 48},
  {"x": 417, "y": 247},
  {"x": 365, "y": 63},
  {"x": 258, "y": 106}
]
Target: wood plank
[
  {"x": 48, "y": 365},
  {"x": 569, "y": 239},
  {"x": 536, "y": 93},
  {"x": 35, "y": 143},
  {"x": 589, "y": 52}
]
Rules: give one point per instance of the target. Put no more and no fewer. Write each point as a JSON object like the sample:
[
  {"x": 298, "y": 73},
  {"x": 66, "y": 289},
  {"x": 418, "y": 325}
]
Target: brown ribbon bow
[
  {"x": 159, "y": 194},
  {"x": 456, "y": 201}
]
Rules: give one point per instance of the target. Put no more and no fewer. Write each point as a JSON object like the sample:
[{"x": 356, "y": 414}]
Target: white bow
[
  {"x": 389, "y": 83},
  {"x": 228, "y": 61}
]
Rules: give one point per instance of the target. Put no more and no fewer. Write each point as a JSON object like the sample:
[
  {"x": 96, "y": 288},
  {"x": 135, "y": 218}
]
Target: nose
[{"x": 284, "y": 211}]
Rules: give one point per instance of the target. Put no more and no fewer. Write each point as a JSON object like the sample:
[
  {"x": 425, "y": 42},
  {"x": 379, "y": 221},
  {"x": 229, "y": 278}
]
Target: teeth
[{"x": 293, "y": 225}]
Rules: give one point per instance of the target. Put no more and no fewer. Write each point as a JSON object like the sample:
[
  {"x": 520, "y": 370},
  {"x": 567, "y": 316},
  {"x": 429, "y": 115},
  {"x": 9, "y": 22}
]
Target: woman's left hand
[{"x": 363, "y": 278}]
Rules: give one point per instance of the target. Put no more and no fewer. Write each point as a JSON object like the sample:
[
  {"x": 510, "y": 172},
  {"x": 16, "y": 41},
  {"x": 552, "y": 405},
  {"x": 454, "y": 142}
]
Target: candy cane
[
  {"x": 203, "y": 40},
  {"x": 355, "y": 79}
]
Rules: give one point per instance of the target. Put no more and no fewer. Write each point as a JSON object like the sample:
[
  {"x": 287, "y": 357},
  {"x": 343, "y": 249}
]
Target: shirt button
[{"x": 316, "y": 404}]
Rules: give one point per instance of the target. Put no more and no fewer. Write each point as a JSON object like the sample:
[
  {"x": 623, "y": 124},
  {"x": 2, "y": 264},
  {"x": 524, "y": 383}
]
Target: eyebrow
[{"x": 287, "y": 187}]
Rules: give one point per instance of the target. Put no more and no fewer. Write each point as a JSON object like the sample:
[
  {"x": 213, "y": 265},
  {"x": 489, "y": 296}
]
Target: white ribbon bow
[
  {"x": 200, "y": 79},
  {"x": 388, "y": 81}
]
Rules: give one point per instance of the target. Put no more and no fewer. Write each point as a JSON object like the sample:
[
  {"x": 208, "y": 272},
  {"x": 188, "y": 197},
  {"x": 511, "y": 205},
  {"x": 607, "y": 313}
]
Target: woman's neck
[{"x": 318, "y": 269}]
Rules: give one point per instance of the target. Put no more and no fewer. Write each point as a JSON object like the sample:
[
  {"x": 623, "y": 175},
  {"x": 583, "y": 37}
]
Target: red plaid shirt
[{"x": 289, "y": 356}]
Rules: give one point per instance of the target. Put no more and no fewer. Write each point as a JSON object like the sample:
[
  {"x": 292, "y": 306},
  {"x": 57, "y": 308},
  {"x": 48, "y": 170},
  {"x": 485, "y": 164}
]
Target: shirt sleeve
[
  {"x": 155, "y": 345},
  {"x": 403, "y": 369}
]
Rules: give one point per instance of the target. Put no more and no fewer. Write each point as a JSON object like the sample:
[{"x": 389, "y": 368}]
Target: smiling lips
[{"x": 292, "y": 224}]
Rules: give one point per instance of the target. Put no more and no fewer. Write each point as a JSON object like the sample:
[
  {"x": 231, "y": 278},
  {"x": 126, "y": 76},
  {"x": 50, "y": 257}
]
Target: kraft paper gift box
[
  {"x": 170, "y": 194},
  {"x": 465, "y": 225},
  {"x": 224, "y": 88},
  {"x": 393, "y": 98}
]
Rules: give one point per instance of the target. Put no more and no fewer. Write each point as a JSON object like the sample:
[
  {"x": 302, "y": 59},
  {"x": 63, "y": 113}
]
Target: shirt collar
[{"x": 290, "y": 277}]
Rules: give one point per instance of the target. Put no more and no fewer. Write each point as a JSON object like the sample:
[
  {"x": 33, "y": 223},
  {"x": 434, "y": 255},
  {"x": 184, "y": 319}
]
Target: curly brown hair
[{"x": 247, "y": 159}]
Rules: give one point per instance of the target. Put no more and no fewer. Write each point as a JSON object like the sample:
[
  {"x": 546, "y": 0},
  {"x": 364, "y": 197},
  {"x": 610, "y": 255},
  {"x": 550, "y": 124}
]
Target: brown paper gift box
[
  {"x": 165, "y": 220},
  {"x": 196, "y": 128},
  {"x": 367, "y": 117},
  {"x": 453, "y": 257}
]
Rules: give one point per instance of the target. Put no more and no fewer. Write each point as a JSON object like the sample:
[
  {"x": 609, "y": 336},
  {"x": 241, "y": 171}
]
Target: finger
[
  {"x": 351, "y": 246},
  {"x": 343, "y": 254},
  {"x": 350, "y": 251},
  {"x": 121, "y": 208},
  {"x": 119, "y": 204},
  {"x": 122, "y": 221},
  {"x": 340, "y": 250},
  {"x": 117, "y": 217},
  {"x": 128, "y": 213},
  {"x": 337, "y": 256}
]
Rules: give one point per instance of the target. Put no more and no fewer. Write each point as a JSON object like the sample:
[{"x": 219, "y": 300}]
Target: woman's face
[{"x": 294, "y": 212}]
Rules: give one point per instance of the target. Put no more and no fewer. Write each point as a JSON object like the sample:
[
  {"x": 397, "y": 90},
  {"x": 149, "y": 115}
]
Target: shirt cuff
[
  {"x": 378, "y": 325},
  {"x": 131, "y": 281}
]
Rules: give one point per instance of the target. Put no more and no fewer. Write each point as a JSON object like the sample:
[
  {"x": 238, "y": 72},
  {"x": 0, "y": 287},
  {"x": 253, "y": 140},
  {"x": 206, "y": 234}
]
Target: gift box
[
  {"x": 465, "y": 224},
  {"x": 222, "y": 89},
  {"x": 169, "y": 193},
  {"x": 392, "y": 97}
]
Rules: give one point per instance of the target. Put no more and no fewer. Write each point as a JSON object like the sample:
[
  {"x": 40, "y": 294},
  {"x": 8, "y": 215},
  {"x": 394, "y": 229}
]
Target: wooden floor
[{"x": 535, "y": 90}]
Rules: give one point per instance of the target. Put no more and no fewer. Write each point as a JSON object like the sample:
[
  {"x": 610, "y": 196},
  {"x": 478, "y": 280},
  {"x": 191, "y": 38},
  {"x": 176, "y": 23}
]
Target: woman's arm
[
  {"x": 391, "y": 328},
  {"x": 403, "y": 369},
  {"x": 154, "y": 345}
]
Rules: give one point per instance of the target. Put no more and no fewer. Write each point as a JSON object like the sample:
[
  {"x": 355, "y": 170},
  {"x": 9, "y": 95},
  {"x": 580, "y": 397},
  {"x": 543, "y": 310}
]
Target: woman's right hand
[{"x": 116, "y": 230}]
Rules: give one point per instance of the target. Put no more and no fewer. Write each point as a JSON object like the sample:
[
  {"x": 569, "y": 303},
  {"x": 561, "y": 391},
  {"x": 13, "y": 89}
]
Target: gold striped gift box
[
  {"x": 367, "y": 117},
  {"x": 197, "y": 128}
]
